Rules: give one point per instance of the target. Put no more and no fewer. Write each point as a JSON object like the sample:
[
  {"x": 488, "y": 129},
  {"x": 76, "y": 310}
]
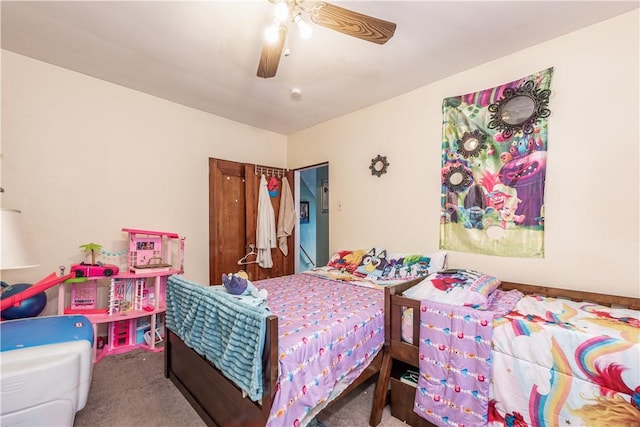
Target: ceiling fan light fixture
[
  {"x": 304, "y": 28},
  {"x": 330, "y": 16},
  {"x": 272, "y": 33},
  {"x": 281, "y": 11}
]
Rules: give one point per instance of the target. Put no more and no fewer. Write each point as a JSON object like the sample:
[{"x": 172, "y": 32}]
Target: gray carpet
[{"x": 130, "y": 390}]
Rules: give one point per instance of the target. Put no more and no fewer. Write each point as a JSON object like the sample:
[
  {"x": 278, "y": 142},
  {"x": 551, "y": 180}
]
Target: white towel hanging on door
[
  {"x": 265, "y": 227},
  {"x": 286, "y": 216}
]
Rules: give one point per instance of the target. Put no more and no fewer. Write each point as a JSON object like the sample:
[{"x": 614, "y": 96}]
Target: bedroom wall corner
[
  {"x": 83, "y": 158},
  {"x": 592, "y": 198}
]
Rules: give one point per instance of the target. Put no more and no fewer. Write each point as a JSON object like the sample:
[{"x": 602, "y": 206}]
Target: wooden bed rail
[
  {"x": 602, "y": 299},
  {"x": 269, "y": 365}
]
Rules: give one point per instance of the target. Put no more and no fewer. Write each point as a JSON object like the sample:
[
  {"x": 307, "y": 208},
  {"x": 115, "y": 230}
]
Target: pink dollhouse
[{"x": 136, "y": 295}]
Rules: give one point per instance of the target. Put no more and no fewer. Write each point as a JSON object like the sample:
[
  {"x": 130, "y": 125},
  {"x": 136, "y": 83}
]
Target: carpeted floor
[{"x": 130, "y": 390}]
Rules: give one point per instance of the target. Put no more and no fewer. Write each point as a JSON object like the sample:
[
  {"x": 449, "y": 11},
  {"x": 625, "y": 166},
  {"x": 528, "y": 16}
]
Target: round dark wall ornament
[
  {"x": 379, "y": 165},
  {"x": 457, "y": 179},
  {"x": 519, "y": 109},
  {"x": 472, "y": 143}
]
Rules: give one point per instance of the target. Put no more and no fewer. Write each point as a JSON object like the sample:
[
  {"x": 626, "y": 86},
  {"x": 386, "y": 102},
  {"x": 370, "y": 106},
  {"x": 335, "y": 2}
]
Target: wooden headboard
[{"x": 608, "y": 300}]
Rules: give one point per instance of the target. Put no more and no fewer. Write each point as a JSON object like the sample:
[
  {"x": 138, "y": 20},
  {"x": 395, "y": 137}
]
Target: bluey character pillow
[
  {"x": 373, "y": 264},
  {"x": 456, "y": 287}
]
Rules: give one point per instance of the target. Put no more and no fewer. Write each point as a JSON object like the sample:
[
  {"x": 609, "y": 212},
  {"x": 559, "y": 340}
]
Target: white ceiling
[{"x": 204, "y": 54}]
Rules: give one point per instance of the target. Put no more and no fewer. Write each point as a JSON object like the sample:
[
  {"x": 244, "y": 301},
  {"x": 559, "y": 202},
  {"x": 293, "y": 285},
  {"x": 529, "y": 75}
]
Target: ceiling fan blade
[
  {"x": 270, "y": 56},
  {"x": 352, "y": 23}
]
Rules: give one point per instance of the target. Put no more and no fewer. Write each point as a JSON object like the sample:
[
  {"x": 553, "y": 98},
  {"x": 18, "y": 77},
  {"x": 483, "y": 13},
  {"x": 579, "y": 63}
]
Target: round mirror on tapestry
[
  {"x": 472, "y": 143},
  {"x": 379, "y": 165},
  {"x": 519, "y": 109},
  {"x": 457, "y": 179}
]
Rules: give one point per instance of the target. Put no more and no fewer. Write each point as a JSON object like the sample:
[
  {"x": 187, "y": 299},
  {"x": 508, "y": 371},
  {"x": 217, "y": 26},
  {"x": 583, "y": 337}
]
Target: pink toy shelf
[
  {"x": 150, "y": 251},
  {"x": 83, "y": 295},
  {"x": 136, "y": 302}
]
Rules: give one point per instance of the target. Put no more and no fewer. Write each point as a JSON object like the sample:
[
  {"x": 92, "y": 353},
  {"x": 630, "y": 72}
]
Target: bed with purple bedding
[
  {"x": 328, "y": 333},
  {"x": 323, "y": 338}
]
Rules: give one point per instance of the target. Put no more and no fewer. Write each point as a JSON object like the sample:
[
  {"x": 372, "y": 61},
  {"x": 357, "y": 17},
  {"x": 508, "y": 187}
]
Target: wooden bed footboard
[
  {"x": 217, "y": 400},
  {"x": 398, "y": 349}
]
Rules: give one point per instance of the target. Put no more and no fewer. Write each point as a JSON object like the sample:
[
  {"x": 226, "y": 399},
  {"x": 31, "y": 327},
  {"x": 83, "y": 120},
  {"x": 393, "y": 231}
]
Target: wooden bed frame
[
  {"x": 217, "y": 400},
  {"x": 397, "y": 349}
]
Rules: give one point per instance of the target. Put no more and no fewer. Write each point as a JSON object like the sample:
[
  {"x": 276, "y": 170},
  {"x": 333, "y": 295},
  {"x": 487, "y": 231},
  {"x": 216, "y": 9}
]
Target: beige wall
[
  {"x": 83, "y": 158},
  {"x": 591, "y": 214}
]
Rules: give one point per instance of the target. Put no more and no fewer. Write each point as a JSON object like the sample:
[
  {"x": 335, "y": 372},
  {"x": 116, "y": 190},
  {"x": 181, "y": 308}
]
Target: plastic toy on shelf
[
  {"x": 148, "y": 252},
  {"x": 94, "y": 270},
  {"x": 131, "y": 296}
]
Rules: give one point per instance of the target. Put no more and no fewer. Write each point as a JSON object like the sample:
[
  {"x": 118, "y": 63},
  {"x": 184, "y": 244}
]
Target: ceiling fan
[{"x": 327, "y": 15}]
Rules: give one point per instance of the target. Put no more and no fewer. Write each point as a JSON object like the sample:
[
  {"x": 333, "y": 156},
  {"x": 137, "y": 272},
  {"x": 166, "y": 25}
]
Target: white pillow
[{"x": 456, "y": 287}]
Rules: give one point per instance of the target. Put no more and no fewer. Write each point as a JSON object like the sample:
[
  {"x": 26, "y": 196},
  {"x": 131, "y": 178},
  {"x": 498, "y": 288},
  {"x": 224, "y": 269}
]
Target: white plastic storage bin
[{"x": 45, "y": 370}]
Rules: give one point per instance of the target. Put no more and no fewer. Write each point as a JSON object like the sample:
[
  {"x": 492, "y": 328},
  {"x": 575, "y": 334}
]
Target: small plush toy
[
  {"x": 239, "y": 284},
  {"x": 234, "y": 283}
]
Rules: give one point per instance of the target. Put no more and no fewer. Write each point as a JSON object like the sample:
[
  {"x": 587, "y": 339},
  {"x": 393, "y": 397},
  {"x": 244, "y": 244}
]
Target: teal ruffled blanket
[{"x": 226, "y": 331}]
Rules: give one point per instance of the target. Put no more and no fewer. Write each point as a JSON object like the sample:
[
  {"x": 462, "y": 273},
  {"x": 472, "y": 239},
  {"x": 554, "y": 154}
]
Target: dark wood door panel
[
  {"x": 233, "y": 205},
  {"x": 226, "y": 218}
]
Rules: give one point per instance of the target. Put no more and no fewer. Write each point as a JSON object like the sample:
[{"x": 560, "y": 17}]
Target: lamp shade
[{"x": 16, "y": 246}]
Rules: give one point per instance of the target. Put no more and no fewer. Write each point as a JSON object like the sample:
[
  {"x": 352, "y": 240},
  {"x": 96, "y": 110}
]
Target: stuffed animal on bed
[
  {"x": 239, "y": 284},
  {"x": 235, "y": 284}
]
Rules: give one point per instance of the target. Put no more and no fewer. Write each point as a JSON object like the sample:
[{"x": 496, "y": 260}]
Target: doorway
[{"x": 312, "y": 199}]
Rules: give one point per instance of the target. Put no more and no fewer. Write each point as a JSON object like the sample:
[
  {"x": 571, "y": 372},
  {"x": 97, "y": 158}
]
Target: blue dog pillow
[{"x": 372, "y": 264}]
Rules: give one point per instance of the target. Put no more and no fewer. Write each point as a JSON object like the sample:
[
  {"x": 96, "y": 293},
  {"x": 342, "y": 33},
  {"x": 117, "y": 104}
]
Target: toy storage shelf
[
  {"x": 155, "y": 281},
  {"x": 126, "y": 315},
  {"x": 136, "y": 294},
  {"x": 138, "y": 275}
]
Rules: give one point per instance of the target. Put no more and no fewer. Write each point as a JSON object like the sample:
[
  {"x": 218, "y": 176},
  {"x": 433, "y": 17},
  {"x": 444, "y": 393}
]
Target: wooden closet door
[
  {"x": 226, "y": 217},
  {"x": 233, "y": 207}
]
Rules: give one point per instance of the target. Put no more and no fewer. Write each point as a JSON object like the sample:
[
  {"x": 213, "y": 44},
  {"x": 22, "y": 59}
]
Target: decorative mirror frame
[
  {"x": 464, "y": 183},
  {"x": 375, "y": 161},
  {"x": 478, "y": 135},
  {"x": 540, "y": 100}
]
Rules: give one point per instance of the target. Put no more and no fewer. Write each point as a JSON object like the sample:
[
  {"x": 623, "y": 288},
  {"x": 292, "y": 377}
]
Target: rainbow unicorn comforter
[{"x": 564, "y": 363}]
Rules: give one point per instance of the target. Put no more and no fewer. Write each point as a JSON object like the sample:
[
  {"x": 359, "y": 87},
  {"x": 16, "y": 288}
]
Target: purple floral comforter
[
  {"x": 329, "y": 332},
  {"x": 455, "y": 364}
]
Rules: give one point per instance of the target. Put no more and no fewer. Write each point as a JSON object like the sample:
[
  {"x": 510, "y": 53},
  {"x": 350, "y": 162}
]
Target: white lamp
[{"x": 16, "y": 246}]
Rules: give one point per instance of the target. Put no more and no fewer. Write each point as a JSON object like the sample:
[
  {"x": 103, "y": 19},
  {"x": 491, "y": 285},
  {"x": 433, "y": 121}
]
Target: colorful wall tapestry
[{"x": 494, "y": 151}]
